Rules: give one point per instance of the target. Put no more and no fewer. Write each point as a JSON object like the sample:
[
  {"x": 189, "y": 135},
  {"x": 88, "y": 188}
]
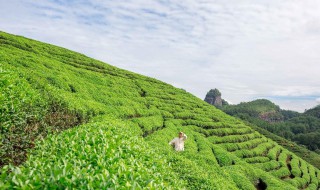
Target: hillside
[
  {"x": 301, "y": 151},
  {"x": 313, "y": 112},
  {"x": 301, "y": 128},
  {"x": 262, "y": 109},
  {"x": 88, "y": 125}
]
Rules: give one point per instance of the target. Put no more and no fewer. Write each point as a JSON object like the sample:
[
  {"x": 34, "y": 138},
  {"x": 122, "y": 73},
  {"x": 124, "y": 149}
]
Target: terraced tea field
[{"x": 91, "y": 125}]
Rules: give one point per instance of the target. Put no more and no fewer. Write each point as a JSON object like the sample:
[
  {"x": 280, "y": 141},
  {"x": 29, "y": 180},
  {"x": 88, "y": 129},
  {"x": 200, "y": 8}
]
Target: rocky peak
[{"x": 213, "y": 97}]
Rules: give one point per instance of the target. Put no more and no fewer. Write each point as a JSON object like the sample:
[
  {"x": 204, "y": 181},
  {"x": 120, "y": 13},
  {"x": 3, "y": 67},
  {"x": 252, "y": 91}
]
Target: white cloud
[
  {"x": 245, "y": 48},
  {"x": 296, "y": 91}
]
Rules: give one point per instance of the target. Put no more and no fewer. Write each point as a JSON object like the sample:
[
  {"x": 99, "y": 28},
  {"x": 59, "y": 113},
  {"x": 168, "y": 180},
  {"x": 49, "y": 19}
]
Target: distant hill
[
  {"x": 262, "y": 109},
  {"x": 302, "y": 128},
  {"x": 313, "y": 112},
  {"x": 71, "y": 122}
]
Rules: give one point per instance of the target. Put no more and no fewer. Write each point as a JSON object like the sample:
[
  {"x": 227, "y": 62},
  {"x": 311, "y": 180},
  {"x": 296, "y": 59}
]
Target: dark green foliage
[
  {"x": 253, "y": 109},
  {"x": 224, "y": 103},
  {"x": 288, "y": 114},
  {"x": 314, "y": 111},
  {"x": 213, "y": 93}
]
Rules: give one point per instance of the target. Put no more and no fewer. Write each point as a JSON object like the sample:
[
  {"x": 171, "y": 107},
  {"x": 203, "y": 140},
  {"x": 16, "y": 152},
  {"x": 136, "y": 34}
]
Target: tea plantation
[{"x": 72, "y": 122}]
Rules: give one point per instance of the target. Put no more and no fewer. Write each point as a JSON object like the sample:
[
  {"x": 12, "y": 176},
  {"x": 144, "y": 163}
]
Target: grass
[{"x": 84, "y": 124}]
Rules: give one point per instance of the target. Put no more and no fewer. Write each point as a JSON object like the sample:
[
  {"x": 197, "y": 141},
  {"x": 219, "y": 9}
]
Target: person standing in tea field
[{"x": 178, "y": 142}]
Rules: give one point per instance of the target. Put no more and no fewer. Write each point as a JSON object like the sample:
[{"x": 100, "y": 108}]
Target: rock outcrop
[{"x": 213, "y": 97}]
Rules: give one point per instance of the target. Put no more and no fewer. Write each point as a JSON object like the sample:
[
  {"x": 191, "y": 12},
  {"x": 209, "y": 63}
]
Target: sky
[{"x": 248, "y": 49}]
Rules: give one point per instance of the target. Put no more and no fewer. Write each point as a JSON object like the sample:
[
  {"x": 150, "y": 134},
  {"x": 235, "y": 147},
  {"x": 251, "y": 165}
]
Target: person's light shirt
[{"x": 178, "y": 143}]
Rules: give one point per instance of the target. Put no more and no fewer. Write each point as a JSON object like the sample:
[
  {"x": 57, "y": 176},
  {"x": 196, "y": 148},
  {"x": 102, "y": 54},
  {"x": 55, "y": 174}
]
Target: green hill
[
  {"x": 301, "y": 128},
  {"x": 77, "y": 123},
  {"x": 313, "y": 112},
  {"x": 262, "y": 109}
]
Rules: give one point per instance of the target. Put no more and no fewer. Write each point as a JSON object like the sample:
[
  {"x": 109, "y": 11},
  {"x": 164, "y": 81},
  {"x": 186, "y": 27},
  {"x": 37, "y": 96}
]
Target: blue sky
[{"x": 247, "y": 49}]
